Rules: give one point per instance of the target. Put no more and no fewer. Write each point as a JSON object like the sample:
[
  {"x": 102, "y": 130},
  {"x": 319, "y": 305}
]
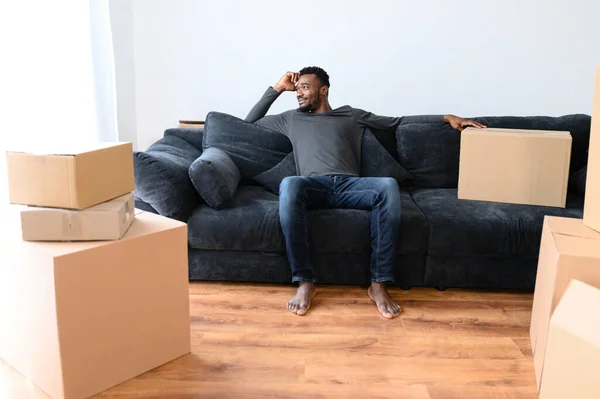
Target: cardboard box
[
  {"x": 185, "y": 124},
  {"x": 106, "y": 221},
  {"x": 80, "y": 317},
  {"x": 515, "y": 166},
  {"x": 591, "y": 209},
  {"x": 573, "y": 351},
  {"x": 72, "y": 178},
  {"x": 569, "y": 250}
]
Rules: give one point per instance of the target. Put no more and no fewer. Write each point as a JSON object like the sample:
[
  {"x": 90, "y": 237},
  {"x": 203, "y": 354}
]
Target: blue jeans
[{"x": 298, "y": 195}]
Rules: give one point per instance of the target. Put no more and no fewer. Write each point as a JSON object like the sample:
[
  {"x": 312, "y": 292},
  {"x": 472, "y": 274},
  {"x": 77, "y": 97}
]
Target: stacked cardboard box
[
  {"x": 573, "y": 347},
  {"x": 190, "y": 124},
  {"x": 92, "y": 291},
  {"x": 73, "y": 195},
  {"x": 570, "y": 250},
  {"x": 591, "y": 211}
]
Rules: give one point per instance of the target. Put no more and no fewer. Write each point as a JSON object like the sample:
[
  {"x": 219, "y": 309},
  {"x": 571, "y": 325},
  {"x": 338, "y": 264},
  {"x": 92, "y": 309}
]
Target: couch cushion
[
  {"x": 192, "y": 136},
  {"x": 251, "y": 223},
  {"x": 487, "y": 229},
  {"x": 162, "y": 180},
  {"x": 376, "y": 161},
  {"x": 253, "y": 149},
  {"x": 215, "y": 177},
  {"x": 271, "y": 179},
  {"x": 431, "y": 151}
]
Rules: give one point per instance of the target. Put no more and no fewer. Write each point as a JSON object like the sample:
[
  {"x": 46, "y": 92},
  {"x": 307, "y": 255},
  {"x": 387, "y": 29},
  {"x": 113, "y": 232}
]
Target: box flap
[
  {"x": 523, "y": 132},
  {"x": 573, "y": 312},
  {"x": 114, "y": 205},
  {"x": 583, "y": 247},
  {"x": 65, "y": 149},
  {"x": 571, "y": 227}
]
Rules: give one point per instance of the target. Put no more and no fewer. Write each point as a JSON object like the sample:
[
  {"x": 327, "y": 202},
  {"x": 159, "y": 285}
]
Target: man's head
[{"x": 312, "y": 88}]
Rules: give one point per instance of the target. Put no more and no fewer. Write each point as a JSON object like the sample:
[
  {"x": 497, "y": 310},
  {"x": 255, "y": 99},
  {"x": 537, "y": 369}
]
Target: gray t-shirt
[{"x": 327, "y": 143}]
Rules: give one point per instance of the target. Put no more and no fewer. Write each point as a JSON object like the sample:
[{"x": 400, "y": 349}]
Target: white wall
[
  {"x": 468, "y": 57},
  {"x": 121, "y": 16}
]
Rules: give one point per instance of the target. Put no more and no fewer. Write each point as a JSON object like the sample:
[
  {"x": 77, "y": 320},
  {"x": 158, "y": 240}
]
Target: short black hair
[{"x": 320, "y": 72}]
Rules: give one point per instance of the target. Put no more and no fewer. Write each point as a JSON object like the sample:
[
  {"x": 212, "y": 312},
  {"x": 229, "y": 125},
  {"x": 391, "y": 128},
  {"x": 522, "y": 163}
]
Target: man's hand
[
  {"x": 287, "y": 82},
  {"x": 459, "y": 123}
]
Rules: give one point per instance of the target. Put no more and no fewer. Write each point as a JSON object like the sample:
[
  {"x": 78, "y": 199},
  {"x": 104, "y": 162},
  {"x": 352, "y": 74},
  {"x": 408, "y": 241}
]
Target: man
[{"x": 327, "y": 149}]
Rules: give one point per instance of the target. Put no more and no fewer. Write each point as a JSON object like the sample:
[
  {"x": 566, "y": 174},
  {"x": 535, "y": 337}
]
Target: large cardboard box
[
  {"x": 190, "y": 124},
  {"x": 73, "y": 178},
  {"x": 80, "y": 317},
  {"x": 106, "y": 221},
  {"x": 569, "y": 250},
  {"x": 591, "y": 210},
  {"x": 573, "y": 351},
  {"x": 515, "y": 166}
]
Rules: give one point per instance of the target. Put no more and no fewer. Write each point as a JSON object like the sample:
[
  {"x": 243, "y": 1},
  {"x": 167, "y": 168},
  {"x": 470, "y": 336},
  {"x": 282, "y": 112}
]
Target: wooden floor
[{"x": 452, "y": 344}]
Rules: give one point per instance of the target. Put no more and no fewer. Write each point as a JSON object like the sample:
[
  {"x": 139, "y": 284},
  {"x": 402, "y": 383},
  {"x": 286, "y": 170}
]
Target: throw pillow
[
  {"x": 253, "y": 149},
  {"x": 161, "y": 177},
  {"x": 376, "y": 161},
  {"x": 192, "y": 136},
  {"x": 215, "y": 177},
  {"x": 271, "y": 179}
]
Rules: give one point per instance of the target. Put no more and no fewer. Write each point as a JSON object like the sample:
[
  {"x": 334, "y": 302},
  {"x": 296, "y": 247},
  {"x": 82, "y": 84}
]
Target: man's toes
[
  {"x": 301, "y": 310},
  {"x": 385, "y": 312}
]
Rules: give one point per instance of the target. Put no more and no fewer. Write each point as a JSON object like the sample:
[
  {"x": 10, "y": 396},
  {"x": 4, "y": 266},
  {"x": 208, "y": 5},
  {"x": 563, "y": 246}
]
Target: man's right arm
[{"x": 274, "y": 122}]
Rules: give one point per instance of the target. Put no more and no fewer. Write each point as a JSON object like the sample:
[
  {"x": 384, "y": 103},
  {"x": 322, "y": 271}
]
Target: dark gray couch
[{"x": 444, "y": 241}]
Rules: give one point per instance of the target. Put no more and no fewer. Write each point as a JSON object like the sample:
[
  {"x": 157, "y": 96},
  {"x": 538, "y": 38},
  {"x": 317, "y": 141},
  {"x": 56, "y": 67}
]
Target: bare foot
[
  {"x": 385, "y": 304},
  {"x": 300, "y": 303}
]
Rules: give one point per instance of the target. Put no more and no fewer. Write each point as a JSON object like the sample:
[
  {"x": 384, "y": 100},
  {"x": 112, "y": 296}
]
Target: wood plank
[
  {"x": 279, "y": 390},
  {"x": 480, "y": 392},
  {"x": 451, "y": 347},
  {"x": 469, "y": 326},
  {"x": 506, "y": 295},
  {"x": 288, "y": 323},
  {"x": 326, "y": 291},
  {"x": 471, "y": 309},
  {"x": 352, "y": 368}
]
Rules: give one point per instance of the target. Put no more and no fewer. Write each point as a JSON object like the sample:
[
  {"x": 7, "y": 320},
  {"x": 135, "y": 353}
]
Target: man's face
[{"x": 308, "y": 93}]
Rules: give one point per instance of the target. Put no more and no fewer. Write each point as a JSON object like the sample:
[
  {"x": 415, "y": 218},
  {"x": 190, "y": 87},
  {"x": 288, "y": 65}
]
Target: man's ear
[{"x": 324, "y": 90}]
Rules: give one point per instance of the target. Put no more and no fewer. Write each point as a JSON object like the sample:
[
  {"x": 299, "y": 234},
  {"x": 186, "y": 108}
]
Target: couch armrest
[{"x": 162, "y": 180}]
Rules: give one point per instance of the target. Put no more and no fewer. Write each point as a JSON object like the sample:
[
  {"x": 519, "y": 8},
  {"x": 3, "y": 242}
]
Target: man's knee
[
  {"x": 291, "y": 186},
  {"x": 388, "y": 186}
]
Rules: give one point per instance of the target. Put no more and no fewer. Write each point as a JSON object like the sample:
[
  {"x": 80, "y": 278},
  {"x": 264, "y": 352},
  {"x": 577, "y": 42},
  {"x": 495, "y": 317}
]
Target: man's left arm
[{"x": 368, "y": 119}]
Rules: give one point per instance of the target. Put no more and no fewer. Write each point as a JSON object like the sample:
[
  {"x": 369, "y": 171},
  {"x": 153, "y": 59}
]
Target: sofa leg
[
  {"x": 440, "y": 288},
  {"x": 406, "y": 287}
]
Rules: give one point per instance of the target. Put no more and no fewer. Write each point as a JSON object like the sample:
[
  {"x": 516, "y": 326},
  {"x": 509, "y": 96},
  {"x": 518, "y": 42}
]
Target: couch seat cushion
[
  {"x": 251, "y": 223},
  {"x": 466, "y": 228}
]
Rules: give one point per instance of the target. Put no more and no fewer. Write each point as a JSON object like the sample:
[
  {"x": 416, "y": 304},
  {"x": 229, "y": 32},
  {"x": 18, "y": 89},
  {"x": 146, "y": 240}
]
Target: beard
[
  {"x": 306, "y": 108},
  {"x": 309, "y": 106}
]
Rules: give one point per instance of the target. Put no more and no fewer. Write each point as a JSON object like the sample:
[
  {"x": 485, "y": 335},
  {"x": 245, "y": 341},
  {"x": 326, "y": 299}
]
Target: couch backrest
[{"x": 431, "y": 152}]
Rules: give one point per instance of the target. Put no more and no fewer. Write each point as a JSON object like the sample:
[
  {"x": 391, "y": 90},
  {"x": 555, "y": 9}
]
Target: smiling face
[{"x": 310, "y": 92}]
